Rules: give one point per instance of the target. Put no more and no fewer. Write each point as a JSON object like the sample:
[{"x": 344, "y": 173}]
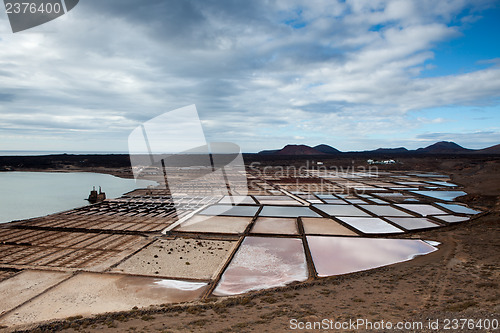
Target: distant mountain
[
  {"x": 302, "y": 150},
  {"x": 327, "y": 149},
  {"x": 490, "y": 150},
  {"x": 299, "y": 150},
  {"x": 444, "y": 147},
  {"x": 400, "y": 150}
]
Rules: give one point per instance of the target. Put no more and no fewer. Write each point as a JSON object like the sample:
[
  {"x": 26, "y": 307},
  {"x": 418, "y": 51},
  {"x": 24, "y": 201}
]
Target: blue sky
[
  {"x": 352, "y": 74},
  {"x": 469, "y": 50}
]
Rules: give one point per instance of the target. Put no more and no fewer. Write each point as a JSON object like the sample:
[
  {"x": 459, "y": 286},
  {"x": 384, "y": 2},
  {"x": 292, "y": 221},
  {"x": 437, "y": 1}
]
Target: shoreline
[
  {"x": 120, "y": 173},
  {"x": 83, "y": 203}
]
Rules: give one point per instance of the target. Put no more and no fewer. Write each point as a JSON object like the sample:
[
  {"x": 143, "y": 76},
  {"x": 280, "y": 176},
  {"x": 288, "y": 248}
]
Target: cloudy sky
[{"x": 353, "y": 74}]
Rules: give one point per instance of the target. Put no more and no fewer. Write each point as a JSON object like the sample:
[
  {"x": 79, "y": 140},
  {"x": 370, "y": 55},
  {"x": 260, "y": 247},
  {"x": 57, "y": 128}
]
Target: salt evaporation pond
[
  {"x": 413, "y": 223},
  {"x": 264, "y": 262},
  {"x": 275, "y": 225},
  {"x": 342, "y": 255},
  {"x": 422, "y": 209},
  {"x": 341, "y": 210},
  {"x": 459, "y": 209},
  {"x": 371, "y": 225},
  {"x": 441, "y": 195},
  {"x": 284, "y": 211}
]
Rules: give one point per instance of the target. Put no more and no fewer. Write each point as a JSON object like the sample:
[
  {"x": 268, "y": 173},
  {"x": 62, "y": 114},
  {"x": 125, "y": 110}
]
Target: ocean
[
  {"x": 31, "y": 194},
  {"x": 52, "y": 152}
]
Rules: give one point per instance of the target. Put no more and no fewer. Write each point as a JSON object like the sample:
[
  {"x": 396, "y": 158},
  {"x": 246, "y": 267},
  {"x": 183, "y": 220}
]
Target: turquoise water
[{"x": 31, "y": 194}]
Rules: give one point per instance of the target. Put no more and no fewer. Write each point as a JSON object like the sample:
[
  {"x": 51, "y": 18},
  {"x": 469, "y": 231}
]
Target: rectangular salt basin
[
  {"x": 271, "y": 197},
  {"x": 336, "y": 201},
  {"x": 290, "y": 202},
  {"x": 314, "y": 201},
  {"x": 228, "y": 210},
  {"x": 275, "y": 225},
  {"x": 385, "y": 210},
  {"x": 262, "y": 263},
  {"x": 342, "y": 255},
  {"x": 395, "y": 196},
  {"x": 452, "y": 218},
  {"x": 371, "y": 225},
  {"x": 443, "y": 184},
  {"x": 392, "y": 194},
  {"x": 411, "y": 183},
  {"x": 442, "y": 195},
  {"x": 459, "y": 209},
  {"x": 305, "y": 196},
  {"x": 324, "y": 226},
  {"x": 356, "y": 201},
  {"x": 422, "y": 209},
  {"x": 89, "y": 294},
  {"x": 361, "y": 188},
  {"x": 216, "y": 224},
  {"x": 325, "y": 196},
  {"x": 26, "y": 285},
  {"x": 287, "y": 211},
  {"x": 179, "y": 258},
  {"x": 277, "y": 200},
  {"x": 340, "y": 210},
  {"x": 403, "y": 188},
  {"x": 379, "y": 201},
  {"x": 237, "y": 199},
  {"x": 413, "y": 223}
]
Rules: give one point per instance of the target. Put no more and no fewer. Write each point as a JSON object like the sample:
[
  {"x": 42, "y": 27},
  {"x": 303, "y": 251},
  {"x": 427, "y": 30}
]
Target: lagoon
[{"x": 26, "y": 195}]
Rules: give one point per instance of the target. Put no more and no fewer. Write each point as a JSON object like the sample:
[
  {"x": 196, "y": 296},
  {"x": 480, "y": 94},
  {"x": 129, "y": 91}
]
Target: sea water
[{"x": 31, "y": 194}]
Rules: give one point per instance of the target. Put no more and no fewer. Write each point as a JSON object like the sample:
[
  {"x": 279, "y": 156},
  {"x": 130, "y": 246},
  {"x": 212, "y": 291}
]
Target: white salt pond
[
  {"x": 341, "y": 210},
  {"x": 422, "y": 209},
  {"x": 413, "y": 223},
  {"x": 287, "y": 211},
  {"x": 385, "y": 210},
  {"x": 371, "y": 225}
]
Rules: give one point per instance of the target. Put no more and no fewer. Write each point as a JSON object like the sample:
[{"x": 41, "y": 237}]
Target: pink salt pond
[
  {"x": 342, "y": 255},
  {"x": 264, "y": 262}
]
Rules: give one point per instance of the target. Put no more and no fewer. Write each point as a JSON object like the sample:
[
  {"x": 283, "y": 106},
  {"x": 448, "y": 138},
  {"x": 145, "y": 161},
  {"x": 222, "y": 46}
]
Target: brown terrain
[{"x": 460, "y": 281}]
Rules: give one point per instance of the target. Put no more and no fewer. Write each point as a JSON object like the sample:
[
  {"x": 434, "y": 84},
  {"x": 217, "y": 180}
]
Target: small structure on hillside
[
  {"x": 96, "y": 197},
  {"x": 381, "y": 162}
]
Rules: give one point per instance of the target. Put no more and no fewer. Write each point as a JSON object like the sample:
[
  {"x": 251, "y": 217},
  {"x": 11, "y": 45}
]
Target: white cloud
[{"x": 108, "y": 66}]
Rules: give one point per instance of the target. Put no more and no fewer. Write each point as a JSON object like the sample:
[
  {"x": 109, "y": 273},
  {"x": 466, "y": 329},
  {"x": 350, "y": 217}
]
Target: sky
[{"x": 356, "y": 75}]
